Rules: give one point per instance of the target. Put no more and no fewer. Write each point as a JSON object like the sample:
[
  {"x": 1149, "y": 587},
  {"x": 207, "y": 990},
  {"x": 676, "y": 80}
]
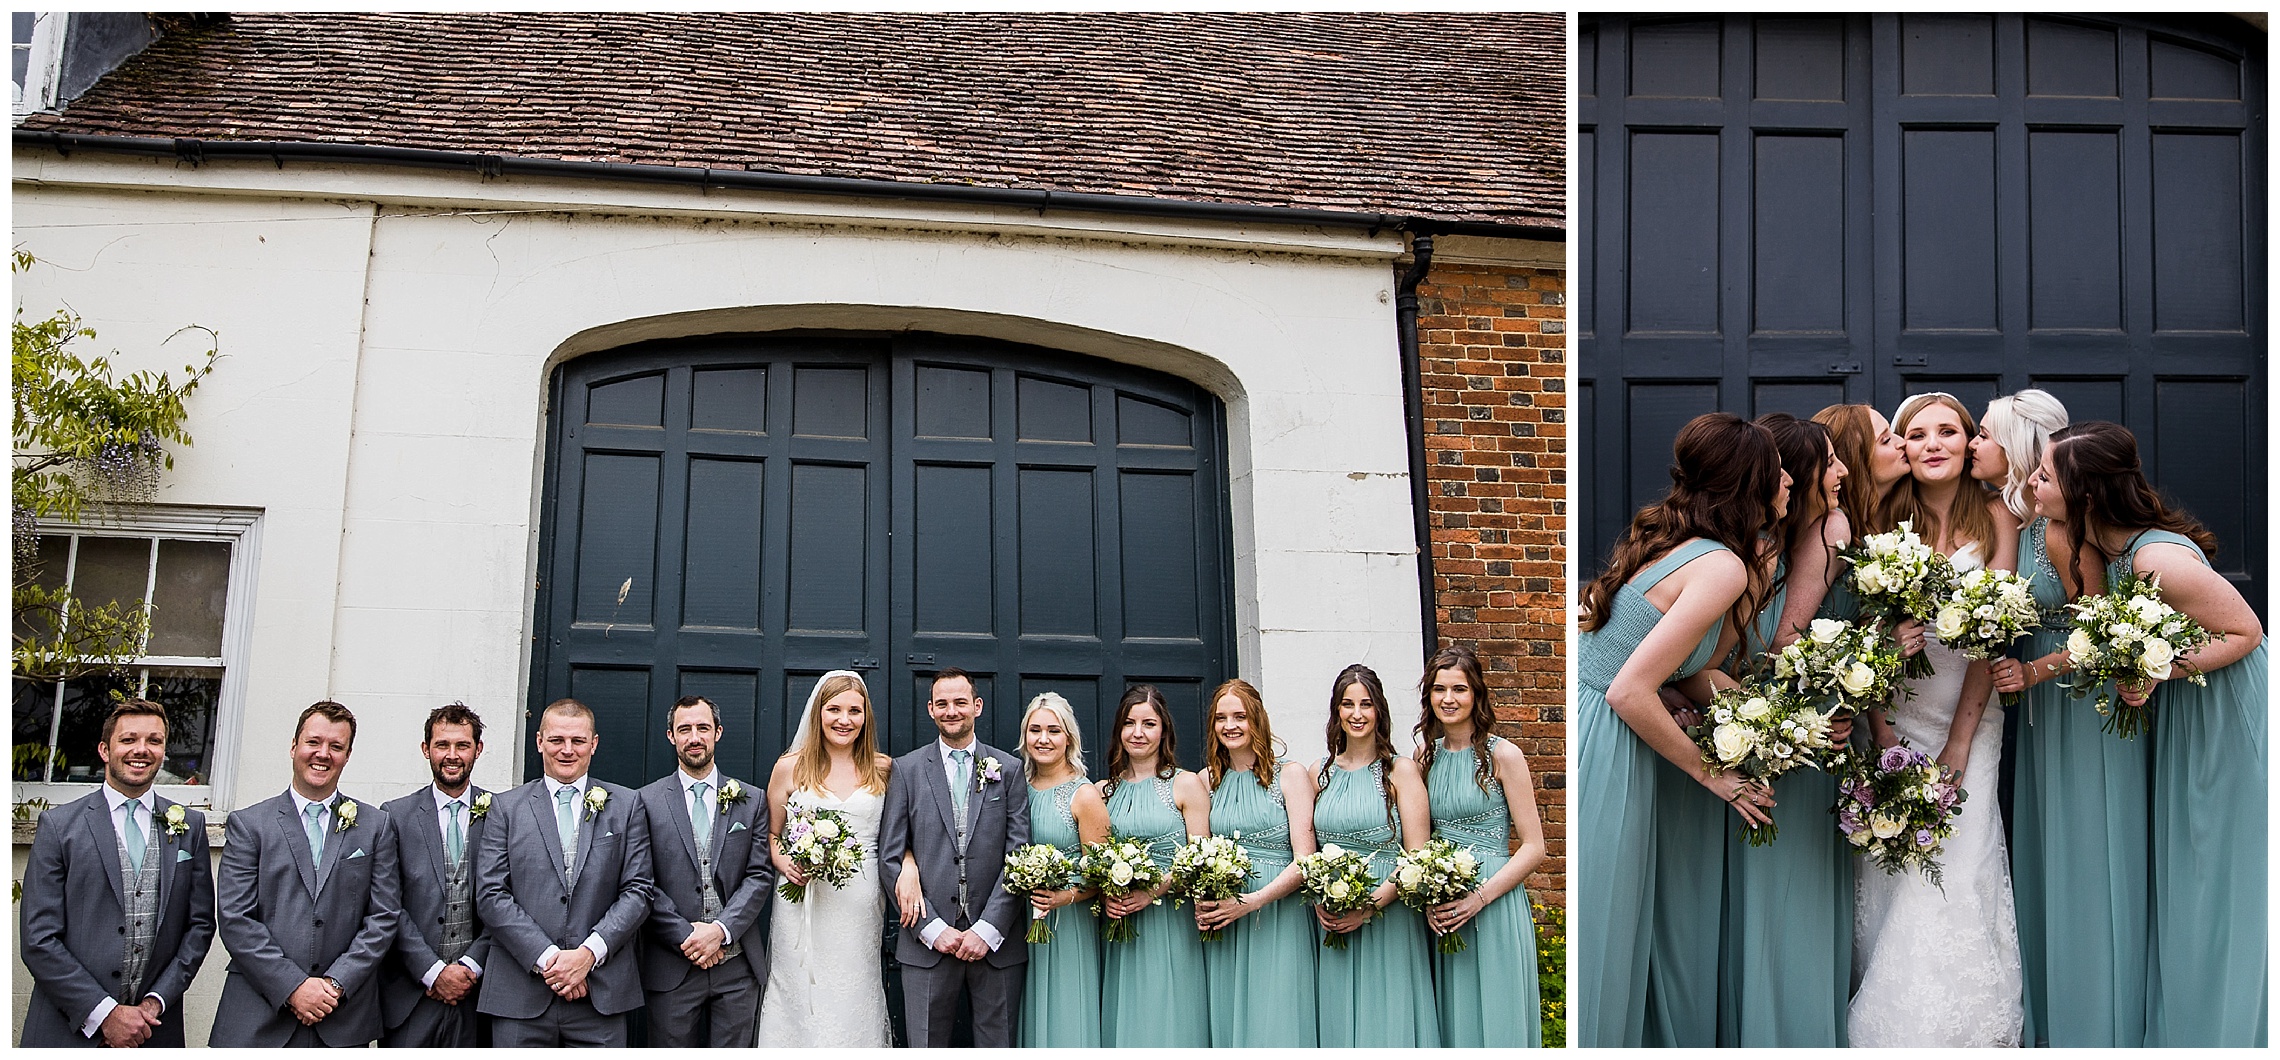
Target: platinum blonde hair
[
  {"x": 2022, "y": 424},
  {"x": 1052, "y": 703}
]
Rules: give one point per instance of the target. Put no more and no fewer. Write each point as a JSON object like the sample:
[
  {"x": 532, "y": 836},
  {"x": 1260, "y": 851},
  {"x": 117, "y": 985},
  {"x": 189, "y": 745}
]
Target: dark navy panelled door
[
  {"x": 733, "y": 516},
  {"x": 1781, "y": 213}
]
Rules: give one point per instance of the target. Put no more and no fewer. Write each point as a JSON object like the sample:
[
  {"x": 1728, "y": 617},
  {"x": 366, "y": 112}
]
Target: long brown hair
[
  {"x": 2105, "y": 489},
  {"x": 1852, "y": 430},
  {"x": 1967, "y": 517},
  {"x": 813, "y": 764},
  {"x": 1804, "y": 447},
  {"x": 1335, "y": 738},
  {"x": 1722, "y": 485},
  {"x": 1217, "y": 763},
  {"x": 1167, "y": 752},
  {"x": 1460, "y": 658}
]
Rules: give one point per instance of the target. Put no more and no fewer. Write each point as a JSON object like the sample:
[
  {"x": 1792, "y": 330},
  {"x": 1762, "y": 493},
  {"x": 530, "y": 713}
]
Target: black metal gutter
[{"x": 1413, "y": 403}]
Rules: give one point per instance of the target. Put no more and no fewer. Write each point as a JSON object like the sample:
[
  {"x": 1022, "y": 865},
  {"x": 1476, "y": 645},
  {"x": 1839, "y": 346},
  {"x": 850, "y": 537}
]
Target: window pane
[
  {"x": 193, "y": 587},
  {"x": 112, "y": 569},
  {"x": 35, "y": 710},
  {"x": 86, "y": 702},
  {"x": 190, "y": 698},
  {"x": 55, "y": 559}
]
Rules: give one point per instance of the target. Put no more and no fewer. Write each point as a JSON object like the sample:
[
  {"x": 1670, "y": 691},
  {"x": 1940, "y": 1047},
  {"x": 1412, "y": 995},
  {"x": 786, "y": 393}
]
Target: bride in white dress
[
  {"x": 824, "y": 986},
  {"x": 1933, "y": 966}
]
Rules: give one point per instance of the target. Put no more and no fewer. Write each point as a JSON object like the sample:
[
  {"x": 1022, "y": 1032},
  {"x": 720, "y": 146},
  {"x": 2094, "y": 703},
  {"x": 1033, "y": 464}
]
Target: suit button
[
  {"x": 114, "y": 975},
  {"x": 439, "y": 920},
  {"x": 122, "y": 929},
  {"x": 320, "y": 923},
  {"x": 566, "y": 899}
]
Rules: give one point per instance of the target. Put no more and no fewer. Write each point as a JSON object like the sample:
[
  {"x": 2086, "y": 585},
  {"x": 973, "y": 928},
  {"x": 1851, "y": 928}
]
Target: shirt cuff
[
  {"x": 989, "y": 934},
  {"x": 601, "y": 949},
  {"x": 472, "y": 966},
  {"x": 727, "y": 937},
  {"x": 161, "y": 1002},
  {"x": 95, "y": 1022},
  {"x": 427, "y": 978},
  {"x": 933, "y": 930},
  {"x": 545, "y": 959}
]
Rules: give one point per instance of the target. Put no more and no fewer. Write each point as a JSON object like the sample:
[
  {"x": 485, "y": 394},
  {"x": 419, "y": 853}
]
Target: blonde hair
[
  {"x": 1217, "y": 763},
  {"x": 2022, "y": 424},
  {"x": 813, "y": 762},
  {"x": 1052, "y": 703},
  {"x": 1967, "y": 518}
]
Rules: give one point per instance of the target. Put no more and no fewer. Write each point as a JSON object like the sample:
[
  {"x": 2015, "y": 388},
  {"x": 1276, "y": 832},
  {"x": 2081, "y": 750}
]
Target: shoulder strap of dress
[
  {"x": 2166, "y": 537},
  {"x": 1674, "y": 559}
]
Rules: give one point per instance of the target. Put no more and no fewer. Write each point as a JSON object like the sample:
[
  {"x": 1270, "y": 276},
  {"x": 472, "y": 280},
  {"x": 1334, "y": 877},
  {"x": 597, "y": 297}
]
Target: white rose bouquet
[
  {"x": 1037, "y": 867},
  {"x": 1840, "y": 666},
  {"x": 1118, "y": 867},
  {"x": 1761, "y": 732},
  {"x": 2129, "y": 636},
  {"x": 1897, "y": 807},
  {"x": 1984, "y": 613},
  {"x": 1338, "y": 880},
  {"x": 1209, "y": 868},
  {"x": 1440, "y": 871},
  {"x": 1897, "y": 576},
  {"x": 822, "y": 844}
]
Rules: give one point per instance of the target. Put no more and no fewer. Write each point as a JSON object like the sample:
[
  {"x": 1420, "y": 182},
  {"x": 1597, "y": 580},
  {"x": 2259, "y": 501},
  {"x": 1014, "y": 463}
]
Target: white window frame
[
  {"x": 241, "y": 528},
  {"x": 44, "y": 69}
]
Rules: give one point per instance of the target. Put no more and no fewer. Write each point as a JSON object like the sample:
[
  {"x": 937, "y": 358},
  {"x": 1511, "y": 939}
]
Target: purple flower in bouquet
[
  {"x": 1923, "y": 837},
  {"x": 1894, "y": 757}
]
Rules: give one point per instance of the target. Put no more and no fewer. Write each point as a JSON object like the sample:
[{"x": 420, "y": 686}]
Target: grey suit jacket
[
  {"x": 918, "y": 818},
  {"x": 419, "y": 860},
  {"x": 71, "y": 915},
  {"x": 525, "y": 899},
  {"x": 742, "y": 874},
  {"x": 285, "y": 920}
]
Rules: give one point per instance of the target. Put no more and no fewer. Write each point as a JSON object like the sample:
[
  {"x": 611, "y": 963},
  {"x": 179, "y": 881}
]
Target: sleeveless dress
[
  {"x": 1262, "y": 967},
  {"x": 1934, "y": 966},
  {"x": 2208, "y": 974},
  {"x": 1060, "y": 1000},
  {"x": 1615, "y": 866},
  {"x": 1786, "y": 951},
  {"x": 1486, "y": 994},
  {"x": 1378, "y": 991},
  {"x": 1152, "y": 988},
  {"x": 840, "y": 1002},
  {"x": 2081, "y": 823}
]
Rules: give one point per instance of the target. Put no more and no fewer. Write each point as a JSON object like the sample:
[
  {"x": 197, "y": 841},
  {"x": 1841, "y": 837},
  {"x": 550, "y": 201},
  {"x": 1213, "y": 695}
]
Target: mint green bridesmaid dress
[
  {"x": 1153, "y": 991},
  {"x": 1262, "y": 966},
  {"x": 2081, "y": 845},
  {"x": 1486, "y": 994},
  {"x": 2208, "y": 974},
  {"x": 1615, "y": 828},
  {"x": 1060, "y": 999},
  {"x": 1378, "y": 991}
]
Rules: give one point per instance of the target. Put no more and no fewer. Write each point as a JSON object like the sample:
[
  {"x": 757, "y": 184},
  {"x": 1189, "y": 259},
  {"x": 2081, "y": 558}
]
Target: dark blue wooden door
[
  {"x": 1779, "y": 213},
  {"x": 732, "y": 516}
]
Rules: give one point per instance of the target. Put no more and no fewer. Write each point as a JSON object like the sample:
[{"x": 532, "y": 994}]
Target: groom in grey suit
[
  {"x": 960, "y": 806},
  {"x": 562, "y": 882},
  {"x": 308, "y": 903},
  {"x": 118, "y": 905},
  {"x": 428, "y": 987}
]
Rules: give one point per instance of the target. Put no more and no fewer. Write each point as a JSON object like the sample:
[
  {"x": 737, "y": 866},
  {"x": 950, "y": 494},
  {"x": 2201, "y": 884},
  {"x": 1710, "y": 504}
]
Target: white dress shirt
[
  {"x": 144, "y": 809},
  {"x": 689, "y": 804},
  {"x": 935, "y": 927},
  {"x": 601, "y": 950},
  {"x": 443, "y": 804}
]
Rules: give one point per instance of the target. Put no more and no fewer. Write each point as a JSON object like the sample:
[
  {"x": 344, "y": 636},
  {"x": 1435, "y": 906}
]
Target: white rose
[
  {"x": 1870, "y": 578},
  {"x": 1753, "y": 708},
  {"x": 1466, "y": 860},
  {"x": 1121, "y": 874},
  {"x": 1333, "y": 851},
  {"x": 1885, "y": 827},
  {"x": 1861, "y": 838},
  {"x": 2155, "y": 654},
  {"x": 2078, "y": 643},
  {"x": 2147, "y": 608},
  {"x": 1339, "y": 890},
  {"x": 827, "y": 829},
  {"x": 1827, "y": 630},
  {"x": 1949, "y": 625},
  {"x": 1857, "y": 679},
  {"x": 1410, "y": 874},
  {"x": 2123, "y": 632},
  {"x": 1731, "y": 742}
]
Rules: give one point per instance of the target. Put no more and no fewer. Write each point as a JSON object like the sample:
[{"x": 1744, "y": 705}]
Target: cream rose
[
  {"x": 1858, "y": 678},
  {"x": 2155, "y": 656},
  {"x": 827, "y": 829},
  {"x": 1885, "y": 827},
  {"x": 1410, "y": 875},
  {"x": 1950, "y": 623},
  {"x": 1861, "y": 838},
  {"x": 1731, "y": 742},
  {"x": 1333, "y": 851},
  {"x": 1121, "y": 875},
  {"x": 1753, "y": 708},
  {"x": 2078, "y": 643},
  {"x": 1827, "y": 630}
]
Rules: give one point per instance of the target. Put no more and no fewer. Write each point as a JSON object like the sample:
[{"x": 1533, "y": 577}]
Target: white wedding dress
[
  {"x": 1935, "y": 967},
  {"x": 824, "y": 984}
]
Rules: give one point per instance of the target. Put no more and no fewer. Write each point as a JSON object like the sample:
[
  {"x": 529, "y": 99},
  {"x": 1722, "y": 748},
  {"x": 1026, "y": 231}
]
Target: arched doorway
[{"x": 732, "y": 515}]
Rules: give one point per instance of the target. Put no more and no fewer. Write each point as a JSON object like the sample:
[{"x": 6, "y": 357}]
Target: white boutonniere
[
  {"x": 596, "y": 798},
  {"x": 481, "y": 806},
  {"x": 344, "y": 815},
  {"x": 990, "y": 771},
  {"x": 177, "y": 820},
  {"x": 731, "y": 793}
]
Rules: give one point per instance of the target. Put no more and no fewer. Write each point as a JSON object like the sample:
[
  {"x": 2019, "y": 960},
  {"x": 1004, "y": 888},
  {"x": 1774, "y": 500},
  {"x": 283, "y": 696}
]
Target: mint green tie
[
  {"x": 316, "y": 815},
  {"x": 965, "y": 777},
  {"x": 135, "y": 840},
  {"x": 700, "y": 813},
  {"x": 455, "y": 841},
  {"x": 567, "y": 822}
]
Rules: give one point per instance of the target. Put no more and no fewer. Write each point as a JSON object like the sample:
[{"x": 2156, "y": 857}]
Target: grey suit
[
  {"x": 527, "y": 901},
  {"x": 918, "y": 818},
  {"x": 285, "y": 920},
  {"x": 73, "y": 910},
  {"x": 413, "y": 1018},
  {"x": 720, "y": 1006}
]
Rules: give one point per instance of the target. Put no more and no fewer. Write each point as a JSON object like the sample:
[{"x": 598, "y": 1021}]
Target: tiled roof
[{"x": 1452, "y": 117}]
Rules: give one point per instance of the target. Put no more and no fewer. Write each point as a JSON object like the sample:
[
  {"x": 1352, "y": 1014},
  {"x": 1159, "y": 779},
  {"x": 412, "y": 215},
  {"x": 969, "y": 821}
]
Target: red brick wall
[{"x": 1493, "y": 347}]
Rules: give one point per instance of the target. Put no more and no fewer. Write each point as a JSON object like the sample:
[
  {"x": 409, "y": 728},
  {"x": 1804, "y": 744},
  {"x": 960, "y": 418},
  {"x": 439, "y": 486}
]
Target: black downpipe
[{"x": 1413, "y": 401}]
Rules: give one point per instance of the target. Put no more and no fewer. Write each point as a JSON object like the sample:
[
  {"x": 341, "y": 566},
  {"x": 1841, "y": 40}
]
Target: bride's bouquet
[
  {"x": 1440, "y": 871},
  {"x": 1987, "y": 610},
  {"x": 1761, "y": 732},
  {"x": 1209, "y": 868},
  {"x": 2129, "y": 636},
  {"x": 822, "y": 844},
  {"x": 1898, "y": 808},
  {"x": 1840, "y": 666},
  {"x": 1037, "y": 867},
  {"x": 1897, "y": 576},
  {"x": 1118, "y": 867},
  {"x": 1339, "y": 881}
]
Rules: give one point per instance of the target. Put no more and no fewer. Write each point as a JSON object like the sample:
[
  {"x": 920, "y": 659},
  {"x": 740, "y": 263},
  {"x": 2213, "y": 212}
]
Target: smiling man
[
  {"x": 429, "y": 988},
  {"x": 308, "y": 903},
  {"x": 118, "y": 907},
  {"x": 562, "y": 882}
]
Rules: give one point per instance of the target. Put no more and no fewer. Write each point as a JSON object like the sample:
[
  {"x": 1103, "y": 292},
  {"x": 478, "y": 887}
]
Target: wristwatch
[{"x": 335, "y": 984}]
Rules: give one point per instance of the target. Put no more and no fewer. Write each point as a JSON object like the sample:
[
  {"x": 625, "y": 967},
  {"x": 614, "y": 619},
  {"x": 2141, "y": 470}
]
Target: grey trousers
[
  {"x": 930, "y": 1001},
  {"x": 435, "y": 1025},
  {"x": 563, "y": 1023},
  {"x": 717, "y": 1007}
]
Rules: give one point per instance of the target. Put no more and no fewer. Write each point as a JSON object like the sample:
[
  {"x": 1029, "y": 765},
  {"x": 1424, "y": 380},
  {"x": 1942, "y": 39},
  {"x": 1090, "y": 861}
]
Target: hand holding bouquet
[
  {"x": 1208, "y": 868},
  {"x": 1037, "y": 867},
  {"x": 1897, "y": 576},
  {"x": 1898, "y": 806},
  {"x": 822, "y": 844},
  {"x": 1118, "y": 867},
  {"x": 1761, "y": 732},
  {"x": 1440, "y": 871},
  {"x": 2129, "y": 636},
  {"x": 1837, "y": 665},
  {"x": 1339, "y": 882},
  {"x": 1986, "y": 611}
]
